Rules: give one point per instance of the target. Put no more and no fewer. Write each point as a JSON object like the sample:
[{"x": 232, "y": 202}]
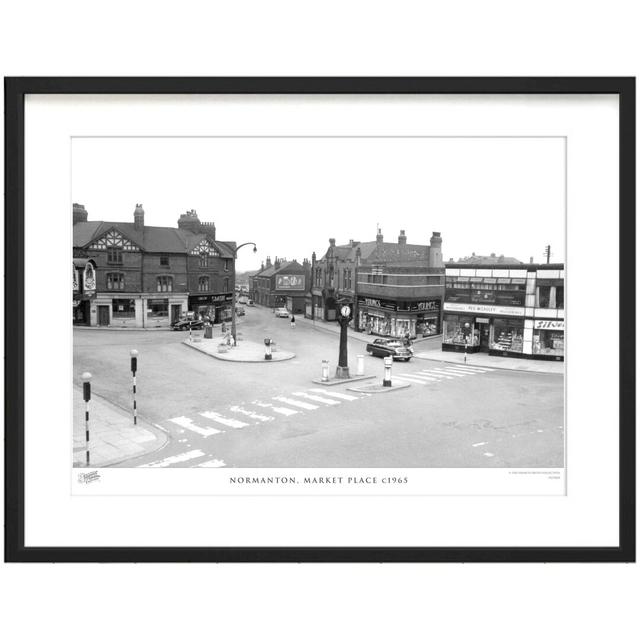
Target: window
[
  {"x": 459, "y": 330},
  {"x": 115, "y": 281},
  {"x": 226, "y": 265},
  {"x": 114, "y": 255},
  {"x": 548, "y": 343},
  {"x": 203, "y": 283},
  {"x": 507, "y": 335},
  {"x": 164, "y": 261},
  {"x": 122, "y": 308},
  {"x": 158, "y": 308},
  {"x": 204, "y": 260},
  {"x": 226, "y": 285},
  {"x": 164, "y": 283},
  {"x": 346, "y": 277},
  {"x": 318, "y": 276}
]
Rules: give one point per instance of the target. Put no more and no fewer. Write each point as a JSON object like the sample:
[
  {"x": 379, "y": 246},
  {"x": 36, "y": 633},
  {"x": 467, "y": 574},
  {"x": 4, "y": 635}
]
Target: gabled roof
[
  {"x": 380, "y": 252},
  {"x": 283, "y": 266}
]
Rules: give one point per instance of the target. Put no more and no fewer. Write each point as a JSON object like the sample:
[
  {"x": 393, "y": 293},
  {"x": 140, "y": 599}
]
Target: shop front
[
  {"x": 548, "y": 339},
  {"x": 215, "y": 306},
  {"x": 82, "y": 310},
  {"x": 398, "y": 319}
]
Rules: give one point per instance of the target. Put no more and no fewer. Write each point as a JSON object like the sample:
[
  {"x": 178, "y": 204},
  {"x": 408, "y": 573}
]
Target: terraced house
[{"x": 146, "y": 276}]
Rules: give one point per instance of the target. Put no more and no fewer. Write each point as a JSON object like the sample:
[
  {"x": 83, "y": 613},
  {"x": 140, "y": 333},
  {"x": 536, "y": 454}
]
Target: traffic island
[
  {"x": 379, "y": 387},
  {"x": 333, "y": 381},
  {"x": 246, "y": 351}
]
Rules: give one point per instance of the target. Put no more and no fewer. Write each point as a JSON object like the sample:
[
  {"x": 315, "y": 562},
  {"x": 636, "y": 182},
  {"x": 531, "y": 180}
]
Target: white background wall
[{"x": 329, "y": 38}]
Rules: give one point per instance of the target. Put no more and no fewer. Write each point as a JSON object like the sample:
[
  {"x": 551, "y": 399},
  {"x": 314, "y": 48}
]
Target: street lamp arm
[{"x": 244, "y": 244}]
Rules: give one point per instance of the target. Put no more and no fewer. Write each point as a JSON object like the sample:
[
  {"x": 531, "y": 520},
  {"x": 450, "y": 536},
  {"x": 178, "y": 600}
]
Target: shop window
[
  {"x": 203, "y": 283},
  {"x": 158, "y": 308},
  {"x": 115, "y": 281},
  {"x": 122, "y": 308},
  {"x": 164, "y": 261},
  {"x": 114, "y": 255},
  {"x": 547, "y": 342},
  {"x": 507, "y": 335},
  {"x": 459, "y": 330},
  {"x": 164, "y": 283},
  {"x": 543, "y": 295}
]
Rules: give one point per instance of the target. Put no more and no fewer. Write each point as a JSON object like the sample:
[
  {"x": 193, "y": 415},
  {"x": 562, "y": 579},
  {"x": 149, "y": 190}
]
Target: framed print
[{"x": 320, "y": 319}]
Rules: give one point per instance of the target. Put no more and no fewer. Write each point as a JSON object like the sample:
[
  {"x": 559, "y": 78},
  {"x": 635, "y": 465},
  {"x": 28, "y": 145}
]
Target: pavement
[
  {"x": 244, "y": 351},
  {"x": 494, "y": 362},
  {"x": 112, "y": 436}
]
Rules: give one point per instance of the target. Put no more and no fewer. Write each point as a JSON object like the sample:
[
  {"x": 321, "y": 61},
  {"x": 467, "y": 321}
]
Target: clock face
[{"x": 345, "y": 311}]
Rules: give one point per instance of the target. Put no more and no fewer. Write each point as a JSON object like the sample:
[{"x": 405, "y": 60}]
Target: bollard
[
  {"x": 360, "y": 369},
  {"x": 388, "y": 361},
  {"x": 325, "y": 371},
  {"x": 86, "y": 393},
  {"x": 134, "y": 368},
  {"x": 267, "y": 349},
  {"x": 190, "y": 338}
]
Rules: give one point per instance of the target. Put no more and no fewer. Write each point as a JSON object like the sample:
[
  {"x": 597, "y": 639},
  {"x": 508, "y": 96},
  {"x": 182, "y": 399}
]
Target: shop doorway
[
  {"x": 176, "y": 309},
  {"x": 483, "y": 327},
  {"x": 103, "y": 315}
]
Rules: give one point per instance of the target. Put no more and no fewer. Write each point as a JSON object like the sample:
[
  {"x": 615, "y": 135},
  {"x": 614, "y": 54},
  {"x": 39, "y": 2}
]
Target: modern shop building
[
  {"x": 393, "y": 288},
  {"x": 150, "y": 276},
  {"x": 505, "y": 310}
]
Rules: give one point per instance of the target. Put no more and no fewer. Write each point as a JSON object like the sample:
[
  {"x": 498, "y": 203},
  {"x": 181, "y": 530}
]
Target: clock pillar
[{"x": 344, "y": 317}]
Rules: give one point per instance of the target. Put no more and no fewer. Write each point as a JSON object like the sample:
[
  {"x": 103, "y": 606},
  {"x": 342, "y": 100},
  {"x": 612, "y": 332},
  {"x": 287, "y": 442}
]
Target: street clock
[{"x": 345, "y": 311}]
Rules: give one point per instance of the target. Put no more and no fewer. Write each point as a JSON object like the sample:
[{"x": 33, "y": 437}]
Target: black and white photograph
[{"x": 323, "y": 302}]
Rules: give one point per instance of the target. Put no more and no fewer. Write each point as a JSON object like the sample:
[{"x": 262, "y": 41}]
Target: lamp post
[
  {"x": 233, "y": 297},
  {"x": 466, "y": 332},
  {"x": 344, "y": 317}
]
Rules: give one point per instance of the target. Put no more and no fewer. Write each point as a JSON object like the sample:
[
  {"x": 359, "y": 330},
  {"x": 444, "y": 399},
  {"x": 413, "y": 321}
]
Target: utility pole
[{"x": 547, "y": 253}]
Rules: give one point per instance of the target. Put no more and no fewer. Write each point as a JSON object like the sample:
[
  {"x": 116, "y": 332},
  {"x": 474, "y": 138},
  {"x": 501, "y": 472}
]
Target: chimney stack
[
  {"x": 189, "y": 221},
  {"x": 379, "y": 237},
  {"x": 402, "y": 238},
  {"x": 435, "y": 250},
  {"x": 79, "y": 213},
  {"x": 268, "y": 261},
  {"x": 531, "y": 260},
  {"x": 332, "y": 242},
  {"x": 138, "y": 218}
]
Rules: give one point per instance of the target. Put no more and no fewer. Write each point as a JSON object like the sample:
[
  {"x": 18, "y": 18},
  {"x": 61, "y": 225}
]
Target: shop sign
[
  {"x": 223, "y": 297},
  {"x": 424, "y": 305},
  {"x": 290, "y": 282},
  {"x": 89, "y": 278},
  {"x": 375, "y": 302},
  {"x": 555, "y": 325},
  {"x": 484, "y": 309}
]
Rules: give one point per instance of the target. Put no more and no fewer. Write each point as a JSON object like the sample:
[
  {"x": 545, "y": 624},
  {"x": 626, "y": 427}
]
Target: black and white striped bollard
[
  {"x": 86, "y": 393},
  {"x": 134, "y": 368}
]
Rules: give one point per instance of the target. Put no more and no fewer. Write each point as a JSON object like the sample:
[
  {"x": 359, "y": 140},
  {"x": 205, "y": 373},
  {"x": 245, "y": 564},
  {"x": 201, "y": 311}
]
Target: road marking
[
  {"x": 282, "y": 410},
  {"x": 456, "y": 373},
  {"x": 474, "y": 368},
  {"x": 252, "y": 414},
  {"x": 334, "y": 394},
  {"x": 212, "y": 463},
  {"x": 428, "y": 377},
  {"x": 187, "y": 423},
  {"x": 440, "y": 375},
  {"x": 296, "y": 403},
  {"x": 309, "y": 396},
  {"x": 489, "y": 455},
  {"x": 479, "y": 444},
  {"x": 181, "y": 457},
  {"x": 229, "y": 422},
  {"x": 405, "y": 377}
]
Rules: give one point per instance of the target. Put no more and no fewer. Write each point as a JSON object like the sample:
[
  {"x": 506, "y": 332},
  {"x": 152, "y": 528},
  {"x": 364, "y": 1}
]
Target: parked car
[
  {"x": 281, "y": 312},
  {"x": 240, "y": 311},
  {"x": 184, "y": 324},
  {"x": 385, "y": 347},
  {"x": 250, "y": 303}
]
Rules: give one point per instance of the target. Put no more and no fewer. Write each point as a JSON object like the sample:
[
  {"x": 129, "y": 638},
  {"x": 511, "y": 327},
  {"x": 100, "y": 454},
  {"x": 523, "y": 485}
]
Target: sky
[{"x": 290, "y": 195}]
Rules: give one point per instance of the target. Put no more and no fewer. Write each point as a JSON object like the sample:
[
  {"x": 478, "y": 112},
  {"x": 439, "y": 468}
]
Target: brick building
[
  {"x": 149, "y": 276},
  {"x": 393, "y": 288},
  {"x": 283, "y": 283}
]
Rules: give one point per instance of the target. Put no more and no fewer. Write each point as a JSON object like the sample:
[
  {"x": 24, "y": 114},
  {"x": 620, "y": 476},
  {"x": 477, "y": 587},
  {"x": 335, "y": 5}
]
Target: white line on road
[
  {"x": 187, "y": 423},
  {"x": 334, "y": 394},
  {"x": 426, "y": 376},
  {"x": 479, "y": 444},
  {"x": 456, "y": 373},
  {"x": 181, "y": 457},
  {"x": 405, "y": 377},
  {"x": 473, "y": 368},
  {"x": 296, "y": 403},
  {"x": 489, "y": 455},
  {"x": 440, "y": 375},
  {"x": 309, "y": 396},
  {"x": 252, "y": 414},
  {"x": 212, "y": 463},
  {"x": 282, "y": 410},
  {"x": 229, "y": 422}
]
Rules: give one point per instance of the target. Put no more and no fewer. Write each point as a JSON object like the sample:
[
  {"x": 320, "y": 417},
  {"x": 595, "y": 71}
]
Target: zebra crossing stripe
[
  {"x": 309, "y": 396},
  {"x": 181, "y": 457},
  {"x": 429, "y": 377},
  {"x": 334, "y": 394},
  {"x": 451, "y": 372},
  {"x": 440, "y": 375},
  {"x": 405, "y": 377},
  {"x": 229, "y": 422},
  {"x": 187, "y": 423},
  {"x": 281, "y": 410},
  {"x": 252, "y": 414},
  {"x": 296, "y": 403},
  {"x": 472, "y": 368},
  {"x": 212, "y": 463}
]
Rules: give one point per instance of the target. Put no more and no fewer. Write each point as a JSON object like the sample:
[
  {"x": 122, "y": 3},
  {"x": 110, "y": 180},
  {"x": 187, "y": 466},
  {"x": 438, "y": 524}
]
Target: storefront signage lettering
[
  {"x": 484, "y": 309},
  {"x": 372, "y": 302},
  {"x": 556, "y": 325},
  {"x": 424, "y": 305}
]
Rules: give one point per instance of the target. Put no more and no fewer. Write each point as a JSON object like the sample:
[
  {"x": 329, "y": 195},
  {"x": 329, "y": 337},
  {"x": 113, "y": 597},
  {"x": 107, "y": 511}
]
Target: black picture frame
[{"x": 15, "y": 91}]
